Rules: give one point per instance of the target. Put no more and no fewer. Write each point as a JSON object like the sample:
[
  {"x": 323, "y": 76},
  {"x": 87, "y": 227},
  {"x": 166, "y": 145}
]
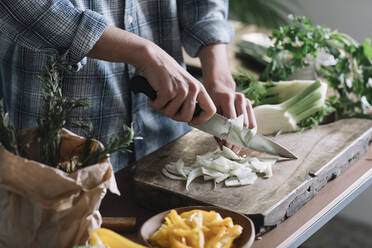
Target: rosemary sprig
[
  {"x": 87, "y": 128},
  {"x": 8, "y": 134},
  {"x": 57, "y": 109},
  {"x": 90, "y": 155},
  {"x": 118, "y": 143}
]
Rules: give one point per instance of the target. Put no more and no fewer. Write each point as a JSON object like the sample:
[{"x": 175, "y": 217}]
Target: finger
[
  {"x": 251, "y": 117},
  {"x": 241, "y": 107},
  {"x": 206, "y": 104},
  {"x": 164, "y": 95},
  {"x": 175, "y": 105},
  {"x": 235, "y": 149},
  {"x": 227, "y": 107},
  {"x": 228, "y": 145},
  {"x": 188, "y": 106},
  {"x": 220, "y": 142}
]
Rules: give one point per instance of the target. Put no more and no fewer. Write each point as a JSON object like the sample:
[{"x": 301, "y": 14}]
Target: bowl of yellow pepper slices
[{"x": 198, "y": 227}]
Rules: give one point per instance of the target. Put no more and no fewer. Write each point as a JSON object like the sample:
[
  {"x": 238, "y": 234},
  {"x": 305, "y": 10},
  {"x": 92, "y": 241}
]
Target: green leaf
[
  {"x": 351, "y": 77},
  {"x": 367, "y": 48}
]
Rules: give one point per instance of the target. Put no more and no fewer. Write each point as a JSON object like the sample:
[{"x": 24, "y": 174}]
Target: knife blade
[
  {"x": 231, "y": 130},
  {"x": 235, "y": 133}
]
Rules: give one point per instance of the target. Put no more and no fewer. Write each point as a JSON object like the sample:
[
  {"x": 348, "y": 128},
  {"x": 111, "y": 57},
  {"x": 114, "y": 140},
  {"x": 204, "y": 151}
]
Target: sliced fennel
[
  {"x": 197, "y": 172},
  {"x": 172, "y": 176},
  {"x": 228, "y": 153},
  {"x": 220, "y": 166},
  {"x": 284, "y": 117}
]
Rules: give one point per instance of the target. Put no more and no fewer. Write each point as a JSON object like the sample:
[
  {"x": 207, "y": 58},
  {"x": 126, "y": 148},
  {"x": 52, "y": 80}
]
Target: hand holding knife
[{"x": 221, "y": 127}]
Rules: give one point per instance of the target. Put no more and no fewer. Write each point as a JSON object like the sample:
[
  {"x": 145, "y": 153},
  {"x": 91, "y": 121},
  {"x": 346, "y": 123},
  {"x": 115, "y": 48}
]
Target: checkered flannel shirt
[{"x": 33, "y": 31}]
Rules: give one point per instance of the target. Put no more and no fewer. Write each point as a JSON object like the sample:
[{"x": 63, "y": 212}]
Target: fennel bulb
[
  {"x": 284, "y": 117},
  {"x": 281, "y": 91}
]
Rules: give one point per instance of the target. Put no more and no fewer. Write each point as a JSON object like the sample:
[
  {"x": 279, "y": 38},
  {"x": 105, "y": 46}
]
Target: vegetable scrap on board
[{"x": 221, "y": 166}]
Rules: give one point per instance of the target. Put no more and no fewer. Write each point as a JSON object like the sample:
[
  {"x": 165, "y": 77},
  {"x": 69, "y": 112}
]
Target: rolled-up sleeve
[
  {"x": 203, "y": 22},
  {"x": 52, "y": 24}
]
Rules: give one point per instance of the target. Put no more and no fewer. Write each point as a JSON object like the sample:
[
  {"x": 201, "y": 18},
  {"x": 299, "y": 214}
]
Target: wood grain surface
[{"x": 323, "y": 154}]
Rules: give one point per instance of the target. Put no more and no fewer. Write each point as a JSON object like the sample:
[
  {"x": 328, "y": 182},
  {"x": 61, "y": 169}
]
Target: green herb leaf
[
  {"x": 8, "y": 134},
  {"x": 299, "y": 42},
  {"x": 367, "y": 48}
]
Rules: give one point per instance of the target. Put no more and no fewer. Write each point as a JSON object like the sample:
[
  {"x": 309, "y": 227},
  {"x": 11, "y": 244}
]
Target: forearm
[
  {"x": 220, "y": 85},
  {"x": 215, "y": 65},
  {"x": 118, "y": 45},
  {"x": 177, "y": 91}
]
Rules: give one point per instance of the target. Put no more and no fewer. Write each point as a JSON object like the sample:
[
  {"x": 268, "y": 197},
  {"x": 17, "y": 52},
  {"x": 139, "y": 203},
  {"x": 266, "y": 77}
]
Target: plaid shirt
[{"x": 32, "y": 32}]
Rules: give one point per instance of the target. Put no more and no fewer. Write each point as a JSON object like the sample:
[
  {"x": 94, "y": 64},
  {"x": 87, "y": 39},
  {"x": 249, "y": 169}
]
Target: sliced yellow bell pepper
[
  {"x": 196, "y": 229},
  {"x": 111, "y": 239}
]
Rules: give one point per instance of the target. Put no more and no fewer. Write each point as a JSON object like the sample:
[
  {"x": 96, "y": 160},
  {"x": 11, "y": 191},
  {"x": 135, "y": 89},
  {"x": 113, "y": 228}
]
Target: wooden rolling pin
[{"x": 119, "y": 224}]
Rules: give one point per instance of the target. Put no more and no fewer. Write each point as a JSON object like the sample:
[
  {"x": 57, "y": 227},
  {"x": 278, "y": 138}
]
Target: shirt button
[{"x": 130, "y": 19}]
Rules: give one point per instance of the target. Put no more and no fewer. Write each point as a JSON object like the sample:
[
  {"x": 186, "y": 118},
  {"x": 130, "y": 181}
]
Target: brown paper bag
[{"x": 41, "y": 206}]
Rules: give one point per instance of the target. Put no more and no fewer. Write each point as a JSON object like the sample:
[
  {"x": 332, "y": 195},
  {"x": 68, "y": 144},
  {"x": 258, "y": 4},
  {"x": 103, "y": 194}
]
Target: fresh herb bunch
[
  {"x": 57, "y": 113},
  {"x": 57, "y": 110},
  {"x": 294, "y": 45},
  {"x": 301, "y": 44},
  {"x": 350, "y": 75},
  {"x": 351, "y": 78}
]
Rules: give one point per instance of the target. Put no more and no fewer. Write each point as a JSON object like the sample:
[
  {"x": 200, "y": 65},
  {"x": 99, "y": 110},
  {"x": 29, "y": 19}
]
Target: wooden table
[{"x": 330, "y": 200}]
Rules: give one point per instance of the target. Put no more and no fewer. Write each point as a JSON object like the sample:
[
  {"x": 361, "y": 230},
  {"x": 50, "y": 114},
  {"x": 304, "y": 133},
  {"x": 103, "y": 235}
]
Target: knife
[{"x": 231, "y": 130}]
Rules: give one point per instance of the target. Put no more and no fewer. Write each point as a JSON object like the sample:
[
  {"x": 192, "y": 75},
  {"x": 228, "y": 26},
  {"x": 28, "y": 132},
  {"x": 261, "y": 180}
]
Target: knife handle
[
  {"x": 139, "y": 84},
  {"x": 119, "y": 224}
]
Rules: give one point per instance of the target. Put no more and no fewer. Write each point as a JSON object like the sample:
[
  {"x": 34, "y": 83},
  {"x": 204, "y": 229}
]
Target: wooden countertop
[{"x": 285, "y": 233}]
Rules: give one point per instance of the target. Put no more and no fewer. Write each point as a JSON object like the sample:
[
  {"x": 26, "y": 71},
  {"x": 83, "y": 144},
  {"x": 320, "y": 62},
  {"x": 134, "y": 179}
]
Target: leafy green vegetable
[
  {"x": 296, "y": 41},
  {"x": 350, "y": 76},
  {"x": 347, "y": 67},
  {"x": 247, "y": 84}
]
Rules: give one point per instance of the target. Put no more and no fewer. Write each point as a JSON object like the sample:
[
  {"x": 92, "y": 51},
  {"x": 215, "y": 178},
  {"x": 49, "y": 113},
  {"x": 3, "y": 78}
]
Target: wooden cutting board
[{"x": 323, "y": 154}]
